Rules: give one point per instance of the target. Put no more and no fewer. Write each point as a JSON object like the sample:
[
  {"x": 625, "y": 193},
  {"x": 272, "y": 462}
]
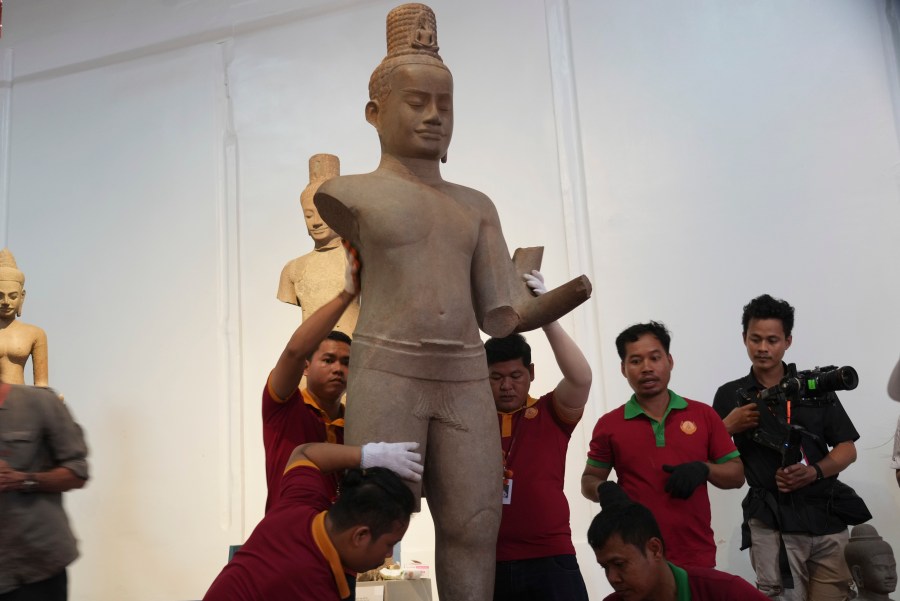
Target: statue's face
[
  {"x": 11, "y": 298},
  {"x": 880, "y": 575},
  {"x": 415, "y": 120},
  {"x": 317, "y": 228}
]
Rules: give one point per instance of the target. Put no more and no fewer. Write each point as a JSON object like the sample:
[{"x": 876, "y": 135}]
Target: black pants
[
  {"x": 55, "y": 588},
  {"x": 555, "y": 578}
]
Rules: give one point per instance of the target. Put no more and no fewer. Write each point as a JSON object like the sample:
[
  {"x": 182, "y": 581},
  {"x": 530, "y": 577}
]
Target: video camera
[
  {"x": 809, "y": 388},
  {"x": 813, "y": 385}
]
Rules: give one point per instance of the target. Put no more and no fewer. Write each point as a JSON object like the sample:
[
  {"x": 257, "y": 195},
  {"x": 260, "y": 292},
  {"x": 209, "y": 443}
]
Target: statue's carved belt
[{"x": 425, "y": 359}]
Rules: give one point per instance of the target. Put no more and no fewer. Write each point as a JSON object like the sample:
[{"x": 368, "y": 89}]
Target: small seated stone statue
[
  {"x": 871, "y": 562},
  {"x": 18, "y": 340},
  {"x": 315, "y": 278}
]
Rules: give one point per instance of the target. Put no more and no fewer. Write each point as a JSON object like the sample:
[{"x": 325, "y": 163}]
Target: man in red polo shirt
[
  {"x": 630, "y": 549},
  {"x": 301, "y": 548},
  {"x": 535, "y": 556},
  {"x": 664, "y": 448},
  {"x": 292, "y": 416}
]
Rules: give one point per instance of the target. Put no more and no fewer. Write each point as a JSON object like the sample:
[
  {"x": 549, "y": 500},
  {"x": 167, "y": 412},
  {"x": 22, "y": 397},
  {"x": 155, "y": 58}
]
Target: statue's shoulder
[
  {"x": 28, "y": 328},
  {"x": 347, "y": 186},
  {"x": 292, "y": 268},
  {"x": 298, "y": 262},
  {"x": 471, "y": 196}
]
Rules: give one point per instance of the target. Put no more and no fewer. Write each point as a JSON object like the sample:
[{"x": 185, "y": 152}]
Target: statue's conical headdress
[
  {"x": 865, "y": 543},
  {"x": 321, "y": 167},
  {"x": 9, "y": 271},
  {"x": 411, "y": 39}
]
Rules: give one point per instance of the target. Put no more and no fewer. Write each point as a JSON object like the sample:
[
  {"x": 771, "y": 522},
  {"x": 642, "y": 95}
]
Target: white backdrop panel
[{"x": 113, "y": 218}]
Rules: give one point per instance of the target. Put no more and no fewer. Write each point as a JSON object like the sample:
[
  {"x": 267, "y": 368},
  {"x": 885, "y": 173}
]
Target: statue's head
[
  {"x": 12, "y": 286},
  {"x": 411, "y": 91},
  {"x": 871, "y": 560},
  {"x": 322, "y": 167}
]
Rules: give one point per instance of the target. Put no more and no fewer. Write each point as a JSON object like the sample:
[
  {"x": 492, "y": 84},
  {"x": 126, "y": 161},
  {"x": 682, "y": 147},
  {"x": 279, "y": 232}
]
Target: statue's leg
[
  {"x": 381, "y": 408},
  {"x": 463, "y": 477}
]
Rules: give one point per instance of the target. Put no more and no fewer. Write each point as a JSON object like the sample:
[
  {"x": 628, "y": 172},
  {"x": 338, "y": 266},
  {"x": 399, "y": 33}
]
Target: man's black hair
[
  {"x": 632, "y": 333},
  {"x": 336, "y": 335},
  {"x": 767, "y": 307},
  {"x": 633, "y": 522},
  {"x": 375, "y": 497},
  {"x": 507, "y": 349}
]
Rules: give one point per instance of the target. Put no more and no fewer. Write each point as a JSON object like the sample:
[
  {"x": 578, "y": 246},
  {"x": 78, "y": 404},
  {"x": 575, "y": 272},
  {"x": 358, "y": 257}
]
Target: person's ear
[
  {"x": 788, "y": 341},
  {"x": 531, "y": 372},
  {"x": 360, "y": 535},
  {"x": 372, "y": 112},
  {"x": 306, "y": 367},
  {"x": 654, "y": 548}
]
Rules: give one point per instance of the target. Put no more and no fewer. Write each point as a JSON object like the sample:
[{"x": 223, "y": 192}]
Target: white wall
[{"x": 686, "y": 155}]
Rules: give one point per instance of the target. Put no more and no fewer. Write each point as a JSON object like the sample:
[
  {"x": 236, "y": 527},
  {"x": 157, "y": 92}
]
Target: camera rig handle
[{"x": 773, "y": 431}]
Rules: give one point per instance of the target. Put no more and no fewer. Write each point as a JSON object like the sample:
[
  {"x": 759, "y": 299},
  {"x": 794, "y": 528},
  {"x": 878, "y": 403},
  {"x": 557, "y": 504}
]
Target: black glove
[
  {"x": 610, "y": 493},
  {"x": 685, "y": 478}
]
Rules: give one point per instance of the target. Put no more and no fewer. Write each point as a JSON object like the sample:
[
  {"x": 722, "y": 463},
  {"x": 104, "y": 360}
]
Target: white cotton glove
[
  {"x": 396, "y": 456},
  {"x": 535, "y": 281},
  {"x": 351, "y": 271}
]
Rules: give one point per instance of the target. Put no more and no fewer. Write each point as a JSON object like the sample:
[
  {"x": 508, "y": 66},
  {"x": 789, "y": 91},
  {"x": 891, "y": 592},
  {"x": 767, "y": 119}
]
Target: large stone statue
[
  {"x": 871, "y": 561},
  {"x": 317, "y": 277},
  {"x": 435, "y": 267},
  {"x": 18, "y": 340}
]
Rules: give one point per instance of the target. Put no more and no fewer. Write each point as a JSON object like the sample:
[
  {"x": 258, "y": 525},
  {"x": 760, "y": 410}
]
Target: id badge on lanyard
[{"x": 507, "y": 491}]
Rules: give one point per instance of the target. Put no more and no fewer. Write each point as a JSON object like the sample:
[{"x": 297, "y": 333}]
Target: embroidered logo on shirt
[
  {"x": 531, "y": 413},
  {"x": 688, "y": 427}
]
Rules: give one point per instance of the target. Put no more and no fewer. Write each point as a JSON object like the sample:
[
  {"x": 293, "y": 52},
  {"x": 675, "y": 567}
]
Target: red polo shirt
[
  {"x": 535, "y": 523},
  {"x": 704, "y": 584},
  {"x": 291, "y": 422},
  {"x": 636, "y": 447},
  {"x": 289, "y": 555}
]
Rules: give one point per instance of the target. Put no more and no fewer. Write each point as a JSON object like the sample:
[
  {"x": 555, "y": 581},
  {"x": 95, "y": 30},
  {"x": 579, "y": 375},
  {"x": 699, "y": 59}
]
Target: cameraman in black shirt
[{"x": 799, "y": 506}]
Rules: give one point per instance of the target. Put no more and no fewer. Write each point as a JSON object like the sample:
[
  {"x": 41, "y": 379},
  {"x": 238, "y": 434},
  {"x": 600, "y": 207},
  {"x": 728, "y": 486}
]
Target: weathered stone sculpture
[
  {"x": 871, "y": 561},
  {"x": 18, "y": 340},
  {"x": 435, "y": 266},
  {"x": 317, "y": 277}
]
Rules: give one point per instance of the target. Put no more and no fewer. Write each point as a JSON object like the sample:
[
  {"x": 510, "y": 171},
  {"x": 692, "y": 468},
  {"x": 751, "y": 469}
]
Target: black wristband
[{"x": 819, "y": 474}]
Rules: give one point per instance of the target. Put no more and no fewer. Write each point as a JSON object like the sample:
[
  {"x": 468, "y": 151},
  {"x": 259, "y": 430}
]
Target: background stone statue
[
  {"x": 18, "y": 340},
  {"x": 435, "y": 267},
  {"x": 317, "y": 277},
  {"x": 893, "y": 388},
  {"x": 871, "y": 561}
]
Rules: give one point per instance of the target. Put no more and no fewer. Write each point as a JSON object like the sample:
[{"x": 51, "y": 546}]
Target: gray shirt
[{"x": 37, "y": 434}]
